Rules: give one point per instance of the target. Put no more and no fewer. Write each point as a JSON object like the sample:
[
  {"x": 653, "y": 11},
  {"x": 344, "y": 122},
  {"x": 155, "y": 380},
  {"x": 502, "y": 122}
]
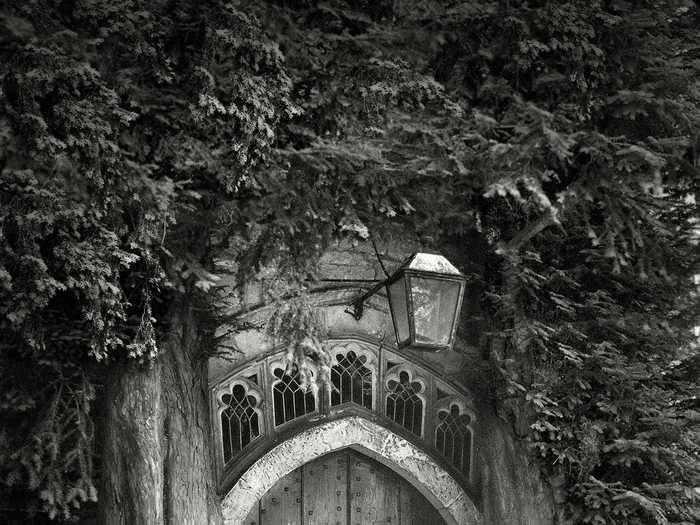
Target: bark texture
[
  {"x": 157, "y": 466},
  {"x": 190, "y": 494},
  {"x": 131, "y": 472}
]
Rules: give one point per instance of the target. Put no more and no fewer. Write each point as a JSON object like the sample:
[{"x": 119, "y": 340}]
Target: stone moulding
[
  {"x": 367, "y": 437},
  {"x": 390, "y": 389}
]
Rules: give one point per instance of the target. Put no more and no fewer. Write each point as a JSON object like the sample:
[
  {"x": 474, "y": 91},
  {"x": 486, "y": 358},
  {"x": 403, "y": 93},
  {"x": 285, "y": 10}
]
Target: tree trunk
[
  {"x": 190, "y": 490},
  {"x": 157, "y": 466},
  {"x": 131, "y": 475}
]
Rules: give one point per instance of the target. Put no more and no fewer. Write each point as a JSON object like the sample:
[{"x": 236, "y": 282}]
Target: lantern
[{"x": 425, "y": 298}]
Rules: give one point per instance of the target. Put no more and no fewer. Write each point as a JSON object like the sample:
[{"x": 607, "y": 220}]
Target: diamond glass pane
[
  {"x": 239, "y": 422},
  {"x": 434, "y": 306},
  {"x": 351, "y": 381},
  {"x": 289, "y": 398},
  {"x": 453, "y": 439},
  {"x": 403, "y": 405}
]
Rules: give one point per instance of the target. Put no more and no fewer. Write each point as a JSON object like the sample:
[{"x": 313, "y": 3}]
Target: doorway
[{"x": 343, "y": 488}]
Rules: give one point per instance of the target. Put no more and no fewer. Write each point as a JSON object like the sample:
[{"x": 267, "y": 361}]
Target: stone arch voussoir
[{"x": 367, "y": 437}]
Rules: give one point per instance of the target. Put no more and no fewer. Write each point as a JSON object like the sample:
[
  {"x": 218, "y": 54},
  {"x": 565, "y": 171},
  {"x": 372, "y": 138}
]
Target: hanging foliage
[
  {"x": 296, "y": 326},
  {"x": 142, "y": 140}
]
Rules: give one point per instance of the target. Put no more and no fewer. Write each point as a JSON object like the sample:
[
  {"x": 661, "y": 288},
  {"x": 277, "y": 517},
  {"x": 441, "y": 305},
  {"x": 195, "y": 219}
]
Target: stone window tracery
[
  {"x": 240, "y": 420},
  {"x": 253, "y": 406},
  {"x": 404, "y": 402},
  {"x": 351, "y": 380},
  {"x": 290, "y": 399},
  {"x": 453, "y": 437}
]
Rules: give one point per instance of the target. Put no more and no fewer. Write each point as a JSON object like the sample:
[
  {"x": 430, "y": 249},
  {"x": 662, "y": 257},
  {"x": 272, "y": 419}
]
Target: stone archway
[{"x": 373, "y": 440}]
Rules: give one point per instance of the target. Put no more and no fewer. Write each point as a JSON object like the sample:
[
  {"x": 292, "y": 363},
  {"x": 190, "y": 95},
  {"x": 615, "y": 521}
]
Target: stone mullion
[
  {"x": 381, "y": 391},
  {"x": 377, "y": 362},
  {"x": 375, "y": 365},
  {"x": 429, "y": 412},
  {"x": 268, "y": 400}
]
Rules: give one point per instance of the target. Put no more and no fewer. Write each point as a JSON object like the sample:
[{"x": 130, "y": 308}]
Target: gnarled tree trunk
[
  {"x": 157, "y": 466},
  {"x": 190, "y": 491},
  {"x": 131, "y": 474}
]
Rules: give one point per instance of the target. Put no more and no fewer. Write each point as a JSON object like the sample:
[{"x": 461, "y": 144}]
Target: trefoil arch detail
[{"x": 367, "y": 380}]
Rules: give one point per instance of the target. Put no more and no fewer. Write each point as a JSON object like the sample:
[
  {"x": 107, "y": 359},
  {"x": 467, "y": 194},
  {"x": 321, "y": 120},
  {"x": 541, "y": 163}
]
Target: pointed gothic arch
[{"x": 400, "y": 455}]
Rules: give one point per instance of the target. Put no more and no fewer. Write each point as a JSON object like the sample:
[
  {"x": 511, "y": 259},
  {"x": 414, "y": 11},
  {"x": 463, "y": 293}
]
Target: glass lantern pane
[
  {"x": 434, "y": 306},
  {"x": 397, "y": 296}
]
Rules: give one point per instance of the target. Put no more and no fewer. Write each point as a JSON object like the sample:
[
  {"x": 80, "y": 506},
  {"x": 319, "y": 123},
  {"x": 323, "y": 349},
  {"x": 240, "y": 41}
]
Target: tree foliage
[
  {"x": 123, "y": 129},
  {"x": 142, "y": 140}
]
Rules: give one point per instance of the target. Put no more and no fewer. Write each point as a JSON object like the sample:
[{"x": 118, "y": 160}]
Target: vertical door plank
[
  {"x": 415, "y": 509},
  {"x": 344, "y": 488},
  {"x": 253, "y": 517},
  {"x": 374, "y": 493},
  {"x": 325, "y": 490},
  {"x": 282, "y": 503},
  {"x": 392, "y": 495}
]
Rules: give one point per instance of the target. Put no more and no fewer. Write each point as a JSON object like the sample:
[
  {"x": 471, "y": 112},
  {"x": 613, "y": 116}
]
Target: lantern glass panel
[
  {"x": 397, "y": 298},
  {"x": 434, "y": 305}
]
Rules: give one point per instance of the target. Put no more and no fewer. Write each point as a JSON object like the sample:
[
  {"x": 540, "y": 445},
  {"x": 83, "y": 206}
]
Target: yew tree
[{"x": 548, "y": 147}]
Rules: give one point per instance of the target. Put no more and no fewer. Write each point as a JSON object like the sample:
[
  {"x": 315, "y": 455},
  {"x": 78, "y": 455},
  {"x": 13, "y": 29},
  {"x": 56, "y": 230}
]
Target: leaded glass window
[
  {"x": 351, "y": 380},
  {"x": 253, "y": 406},
  {"x": 453, "y": 438},
  {"x": 290, "y": 399},
  {"x": 403, "y": 404},
  {"x": 239, "y": 421}
]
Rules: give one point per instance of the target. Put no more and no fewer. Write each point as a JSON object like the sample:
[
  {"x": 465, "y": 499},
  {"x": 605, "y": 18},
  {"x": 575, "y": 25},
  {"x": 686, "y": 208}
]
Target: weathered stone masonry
[{"x": 494, "y": 485}]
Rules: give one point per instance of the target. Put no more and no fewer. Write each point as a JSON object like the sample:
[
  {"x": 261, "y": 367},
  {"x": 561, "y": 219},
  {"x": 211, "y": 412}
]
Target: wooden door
[{"x": 343, "y": 488}]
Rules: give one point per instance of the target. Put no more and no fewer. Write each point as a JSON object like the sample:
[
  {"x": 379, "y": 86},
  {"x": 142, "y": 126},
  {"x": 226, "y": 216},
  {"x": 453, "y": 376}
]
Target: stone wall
[{"x": 511, "y": 492}]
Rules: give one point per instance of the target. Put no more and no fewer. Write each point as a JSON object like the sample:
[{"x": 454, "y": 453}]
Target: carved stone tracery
[
  {"x": 405, "y": 398},
  {"x": 256, "y": 403},
  {"x": 454, "y": 435},
  {"x": 290, "y": 400},
  {"x": 353, "y": 376},
  {"x": 239, "y": 415}
]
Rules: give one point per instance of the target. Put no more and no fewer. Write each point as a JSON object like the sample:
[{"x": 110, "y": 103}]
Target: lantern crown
[{"x": 429, "y": 262}]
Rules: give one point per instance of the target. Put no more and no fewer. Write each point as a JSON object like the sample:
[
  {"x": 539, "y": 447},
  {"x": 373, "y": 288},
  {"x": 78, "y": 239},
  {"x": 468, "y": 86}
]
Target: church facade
[{"x": 396, "y": 436}]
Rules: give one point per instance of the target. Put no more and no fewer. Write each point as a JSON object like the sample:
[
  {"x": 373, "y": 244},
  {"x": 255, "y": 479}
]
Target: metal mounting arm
[{"x": 357, "y": 305}]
